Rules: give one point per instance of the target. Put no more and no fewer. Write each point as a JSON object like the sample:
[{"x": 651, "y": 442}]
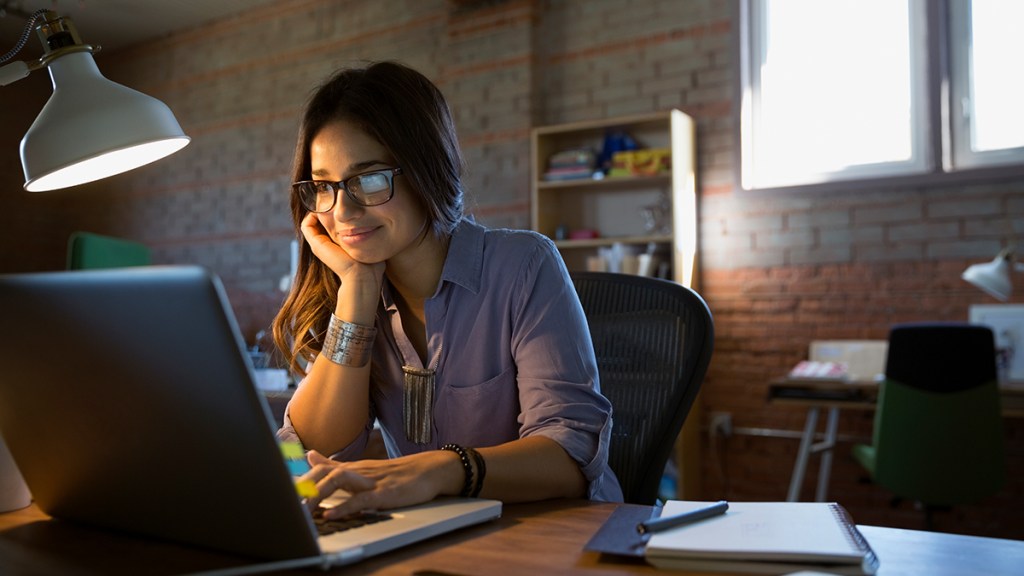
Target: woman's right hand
[{"x": 337, "y": 259}]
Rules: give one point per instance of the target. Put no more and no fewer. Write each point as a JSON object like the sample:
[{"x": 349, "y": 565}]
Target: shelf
[
  {"x": 656, "y": 119},
  {"x": 604, "y": 242},
  {"x": 620, "y": 208},
  {"x": 613, "y": 181}
]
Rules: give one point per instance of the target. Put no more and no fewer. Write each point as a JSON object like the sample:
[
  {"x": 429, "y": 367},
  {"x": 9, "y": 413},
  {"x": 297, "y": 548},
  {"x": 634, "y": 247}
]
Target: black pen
[{"x": 659, "y": 524}]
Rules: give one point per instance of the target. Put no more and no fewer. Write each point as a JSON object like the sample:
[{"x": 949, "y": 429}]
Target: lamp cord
[{"x": 24, "y": 35}]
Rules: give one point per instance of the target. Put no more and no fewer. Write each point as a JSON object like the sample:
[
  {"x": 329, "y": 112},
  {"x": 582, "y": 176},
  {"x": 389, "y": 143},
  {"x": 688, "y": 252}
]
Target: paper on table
[{"x": 766, "y": 532}]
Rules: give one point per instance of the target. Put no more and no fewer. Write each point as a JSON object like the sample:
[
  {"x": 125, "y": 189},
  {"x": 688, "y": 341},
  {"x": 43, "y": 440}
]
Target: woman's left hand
[{"x": 384, "y": 484}]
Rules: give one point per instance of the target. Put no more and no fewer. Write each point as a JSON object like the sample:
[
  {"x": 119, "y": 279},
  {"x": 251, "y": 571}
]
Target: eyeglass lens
[{"x": 370, "y": 189}]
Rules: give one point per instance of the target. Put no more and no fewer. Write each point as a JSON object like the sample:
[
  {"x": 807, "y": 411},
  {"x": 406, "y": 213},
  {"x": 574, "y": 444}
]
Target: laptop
[{"x": 128, "y": 401}]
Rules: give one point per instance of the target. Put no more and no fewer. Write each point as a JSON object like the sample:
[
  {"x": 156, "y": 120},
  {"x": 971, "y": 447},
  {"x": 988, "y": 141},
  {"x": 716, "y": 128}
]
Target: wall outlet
[{"x": 721, "y": 424}]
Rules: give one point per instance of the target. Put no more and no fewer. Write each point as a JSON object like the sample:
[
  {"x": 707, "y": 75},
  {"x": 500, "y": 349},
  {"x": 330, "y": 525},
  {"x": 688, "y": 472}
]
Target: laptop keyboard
[{"x": 325, "y": 526}]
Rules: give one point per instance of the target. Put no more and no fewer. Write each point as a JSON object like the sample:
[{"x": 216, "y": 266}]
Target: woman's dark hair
[{"x": 408, "y": 115}]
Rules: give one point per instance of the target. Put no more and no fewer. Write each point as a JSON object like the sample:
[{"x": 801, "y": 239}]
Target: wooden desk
[
  {"x": 833, "y": 395},
  {"x": 530, "y": 540}
]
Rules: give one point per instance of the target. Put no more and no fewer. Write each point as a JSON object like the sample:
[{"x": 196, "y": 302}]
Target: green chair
[
  {"x": 938, "y": 433},
  {"x": 87, "y": 250}
]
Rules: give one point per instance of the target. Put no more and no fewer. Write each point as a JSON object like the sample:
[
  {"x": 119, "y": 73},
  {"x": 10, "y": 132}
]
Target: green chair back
[
  {"x": 939, "y": 448},
  {"x": 87, "y": 250},
  {"x": 938, "y": 436}
]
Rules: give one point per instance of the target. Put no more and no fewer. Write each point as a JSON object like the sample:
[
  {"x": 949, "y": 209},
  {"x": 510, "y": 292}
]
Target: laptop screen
[{"x": 128, "y": 402}]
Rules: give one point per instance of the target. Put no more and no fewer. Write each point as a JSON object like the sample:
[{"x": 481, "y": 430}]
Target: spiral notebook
[{"x": 764, "y": 538}]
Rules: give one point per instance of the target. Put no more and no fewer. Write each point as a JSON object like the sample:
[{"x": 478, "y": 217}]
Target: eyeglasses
[{"x": 367, "y": 189}]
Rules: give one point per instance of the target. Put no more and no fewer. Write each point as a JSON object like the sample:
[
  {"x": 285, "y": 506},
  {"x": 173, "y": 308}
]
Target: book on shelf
[
  {"x": 820, "y": 370},
  {"x": 569, "y": 173},
  {"x": 570, "y": 165},
  {"x": 763, "y": 538},
  {"x": 574, "y": 157}
]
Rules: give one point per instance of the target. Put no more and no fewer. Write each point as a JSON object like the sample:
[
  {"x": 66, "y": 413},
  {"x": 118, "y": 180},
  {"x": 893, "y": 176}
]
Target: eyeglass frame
[{"x": 341, "y": 185}]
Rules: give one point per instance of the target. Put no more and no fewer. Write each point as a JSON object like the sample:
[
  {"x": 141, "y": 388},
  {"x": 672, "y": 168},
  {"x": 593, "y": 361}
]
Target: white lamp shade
[
  {"x": 992, "y": 277},
  {"x": 92, "y": 128}
]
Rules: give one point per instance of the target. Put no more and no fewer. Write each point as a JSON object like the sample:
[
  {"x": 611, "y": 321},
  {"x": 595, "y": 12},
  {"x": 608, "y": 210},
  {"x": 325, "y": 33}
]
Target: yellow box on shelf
[{"x": 647, "y": 162}]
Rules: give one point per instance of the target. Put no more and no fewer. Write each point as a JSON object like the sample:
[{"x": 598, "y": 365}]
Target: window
[
  {"x": 838, "y": 90},
  {"x": 987, "y": 90}
]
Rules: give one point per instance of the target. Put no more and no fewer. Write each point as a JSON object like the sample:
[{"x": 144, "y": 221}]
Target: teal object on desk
[
  {"x": 938, "y": 436},
  {"x": 88, "y": 251}
]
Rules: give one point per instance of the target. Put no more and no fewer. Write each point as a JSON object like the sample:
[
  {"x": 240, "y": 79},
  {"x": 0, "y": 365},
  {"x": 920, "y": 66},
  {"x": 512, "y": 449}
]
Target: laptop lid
[{"x": 128, "y": 402}]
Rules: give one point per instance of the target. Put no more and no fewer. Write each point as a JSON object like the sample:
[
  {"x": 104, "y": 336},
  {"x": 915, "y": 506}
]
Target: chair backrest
[
  {"x": 939, "y": 428},
  {"x": 941, "y": 356},
  {"x": 653, "y": 340},
  {"x": 87, "y": 250}
]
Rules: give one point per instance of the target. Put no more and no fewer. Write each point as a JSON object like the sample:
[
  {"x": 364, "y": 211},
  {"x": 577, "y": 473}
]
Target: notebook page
[{"x": 815, "y": 531}]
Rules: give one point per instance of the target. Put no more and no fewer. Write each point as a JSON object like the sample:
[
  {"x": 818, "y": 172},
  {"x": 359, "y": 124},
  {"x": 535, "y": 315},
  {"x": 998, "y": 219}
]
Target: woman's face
[{"x": 369, "y": 234}]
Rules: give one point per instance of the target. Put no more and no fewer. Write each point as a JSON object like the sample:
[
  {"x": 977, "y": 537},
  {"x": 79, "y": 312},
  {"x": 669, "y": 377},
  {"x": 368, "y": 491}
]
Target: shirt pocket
[{"x": 483, "y": 414}]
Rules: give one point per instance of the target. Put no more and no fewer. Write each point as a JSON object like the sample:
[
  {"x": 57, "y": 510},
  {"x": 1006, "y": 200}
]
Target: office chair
[
  {"x": 653, "y": 340},
  {"x": 87, "y": 250},
  {"x": 938, "y": 434}
]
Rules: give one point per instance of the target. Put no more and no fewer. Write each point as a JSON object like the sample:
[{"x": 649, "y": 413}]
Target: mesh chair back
[{"x": 653, "y": 340}]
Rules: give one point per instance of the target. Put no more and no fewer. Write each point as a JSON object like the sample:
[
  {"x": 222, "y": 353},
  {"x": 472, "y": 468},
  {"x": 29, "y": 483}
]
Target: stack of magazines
[{"x": 571, "y": 165}]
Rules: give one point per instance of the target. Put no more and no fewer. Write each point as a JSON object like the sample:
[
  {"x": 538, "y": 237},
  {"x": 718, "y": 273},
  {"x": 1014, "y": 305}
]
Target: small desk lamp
[
  {"x": 994, "y": 277},
  {"x": 91, "y": 128}
]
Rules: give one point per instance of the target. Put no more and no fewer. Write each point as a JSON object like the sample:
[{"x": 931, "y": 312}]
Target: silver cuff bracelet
[{"x": 348, "y": 344}]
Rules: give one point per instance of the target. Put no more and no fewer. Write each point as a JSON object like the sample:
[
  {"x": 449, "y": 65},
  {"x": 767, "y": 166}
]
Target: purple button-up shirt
[{"x": 513, "y": 357}]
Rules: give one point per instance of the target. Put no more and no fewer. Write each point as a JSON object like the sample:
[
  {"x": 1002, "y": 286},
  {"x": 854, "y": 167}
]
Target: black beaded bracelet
[
  {"x": 467, "y": 467},
  {"x": 481, "y": 471}
]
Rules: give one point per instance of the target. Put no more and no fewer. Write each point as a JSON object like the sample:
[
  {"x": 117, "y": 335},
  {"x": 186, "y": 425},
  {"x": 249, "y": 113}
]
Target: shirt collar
[{"x": 464, "y": 264}]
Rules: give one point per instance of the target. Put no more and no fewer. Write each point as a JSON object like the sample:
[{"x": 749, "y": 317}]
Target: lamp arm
[
  {"x": 17, "y": 70},
  {"x": 24, "y": 36},
  {"x": 68, "y": 44},
  {"x": 13, "y": 72},
  {"x": 1009, "y": 254}
]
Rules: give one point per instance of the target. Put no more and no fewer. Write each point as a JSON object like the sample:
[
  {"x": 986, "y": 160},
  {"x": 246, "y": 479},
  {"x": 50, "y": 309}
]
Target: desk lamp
[
  {"x": 994, "y": 277},
  {"x": 91, "y": 127}
]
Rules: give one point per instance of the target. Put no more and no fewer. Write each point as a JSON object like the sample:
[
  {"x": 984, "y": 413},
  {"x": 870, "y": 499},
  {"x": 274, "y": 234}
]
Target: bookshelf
[{"x": 619, "y": 209}]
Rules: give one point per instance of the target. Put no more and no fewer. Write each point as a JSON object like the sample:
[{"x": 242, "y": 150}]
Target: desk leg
[
  {"x": 825, "y": 466},
  {"x": 802, "y": 454}
]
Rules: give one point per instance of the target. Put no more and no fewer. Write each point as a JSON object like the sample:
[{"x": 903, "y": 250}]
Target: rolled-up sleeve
[{"x": 559, "y": 389}]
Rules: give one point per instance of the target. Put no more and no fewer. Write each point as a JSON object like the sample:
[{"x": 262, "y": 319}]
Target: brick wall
[{"x": 778, "y": 270}]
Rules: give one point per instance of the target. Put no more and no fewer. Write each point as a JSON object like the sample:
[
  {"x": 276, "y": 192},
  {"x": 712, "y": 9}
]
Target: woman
[{"x": 467, "y": 345}]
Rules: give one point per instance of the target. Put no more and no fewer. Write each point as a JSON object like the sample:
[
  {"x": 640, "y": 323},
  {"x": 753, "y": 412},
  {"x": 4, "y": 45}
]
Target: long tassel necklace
[{"x": 418, "y": 400}]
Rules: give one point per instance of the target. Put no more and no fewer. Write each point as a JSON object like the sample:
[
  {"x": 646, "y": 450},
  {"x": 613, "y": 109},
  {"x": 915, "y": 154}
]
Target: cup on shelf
[
  {"x": 630, "y": 263},
  {"x": 645, "y": 265}
]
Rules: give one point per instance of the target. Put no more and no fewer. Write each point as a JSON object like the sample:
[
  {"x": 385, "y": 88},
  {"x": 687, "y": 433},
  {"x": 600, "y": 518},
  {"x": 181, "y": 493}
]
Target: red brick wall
[{"x": 778, "y": 270}]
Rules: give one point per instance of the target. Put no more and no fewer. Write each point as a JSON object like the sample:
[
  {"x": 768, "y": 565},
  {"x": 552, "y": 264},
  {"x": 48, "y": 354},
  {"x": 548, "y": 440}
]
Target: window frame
[
  {"x": 942, "y": 164},
  {"x": 962, "y": 156}
]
